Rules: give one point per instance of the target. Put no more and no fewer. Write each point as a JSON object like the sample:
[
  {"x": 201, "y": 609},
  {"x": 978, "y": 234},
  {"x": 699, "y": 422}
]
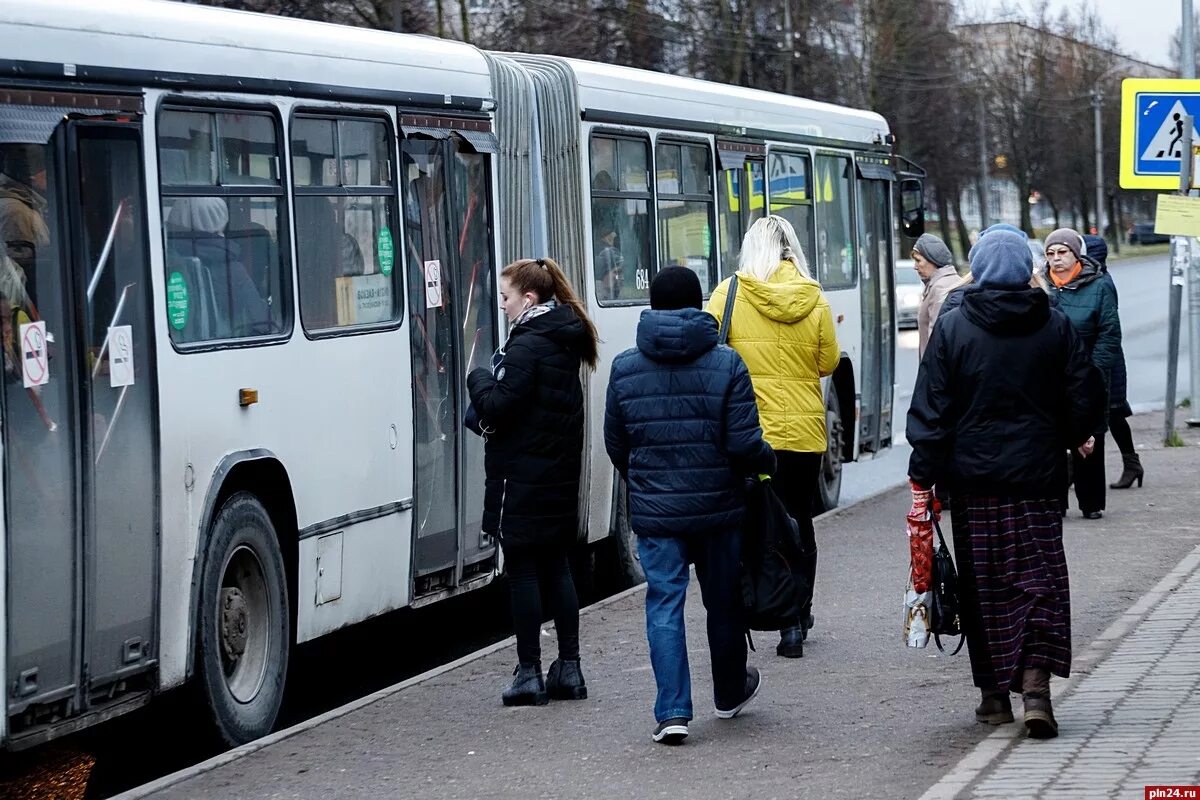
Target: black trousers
[
  {"x": 1090, "y": 486},
  {"x": 796, "y": 475},
  {"x": 534, "y": 574},
  {"x": 1118, "y": 426}
]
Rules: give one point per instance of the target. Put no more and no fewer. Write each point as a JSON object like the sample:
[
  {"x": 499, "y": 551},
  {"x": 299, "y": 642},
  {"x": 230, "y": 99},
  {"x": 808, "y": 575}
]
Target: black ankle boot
[
  {"x": 528, "y": 688},
  {"x": 1133, "y": 472},
  {"x": 565, "y": 681},
  {"x": 791, "y": 643}
]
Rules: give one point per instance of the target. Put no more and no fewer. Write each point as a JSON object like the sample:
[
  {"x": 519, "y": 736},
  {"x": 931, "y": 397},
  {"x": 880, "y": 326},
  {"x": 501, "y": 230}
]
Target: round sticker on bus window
[
  {"x": 177, "y": 301},
  {"x": 384, "y": 250}
]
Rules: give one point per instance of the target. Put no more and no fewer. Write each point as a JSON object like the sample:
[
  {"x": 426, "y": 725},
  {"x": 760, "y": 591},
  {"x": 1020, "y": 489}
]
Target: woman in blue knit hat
[{"x": 1005, "y": 387}]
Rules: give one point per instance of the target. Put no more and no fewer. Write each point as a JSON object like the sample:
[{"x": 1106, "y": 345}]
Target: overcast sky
[{"x": 1143, "y": 27}]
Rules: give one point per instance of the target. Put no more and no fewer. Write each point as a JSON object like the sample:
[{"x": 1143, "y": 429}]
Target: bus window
[
  {"x": 835, "y": 235},
  {"x": 345, "y": 223},
  {"x": 791, "y": 196},
  {"x": 621, "y": 261},
  {"x": 742, "y": 200},
  {"x": 221, "y": 195},
  {"x": 685, "y": 209}
]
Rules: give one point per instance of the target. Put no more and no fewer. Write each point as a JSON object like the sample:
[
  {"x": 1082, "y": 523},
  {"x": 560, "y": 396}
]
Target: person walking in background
[
  {"x": 529, "y": 408},
  {"x": 1119, "y": 411},
  {"x": 934, "y": 262},
  {"x": 1005, "y": 386},
  {"x": 681, "y": 427},
  {"x": 1090, "y": 302},
  {"x": 782, "y": 326}
]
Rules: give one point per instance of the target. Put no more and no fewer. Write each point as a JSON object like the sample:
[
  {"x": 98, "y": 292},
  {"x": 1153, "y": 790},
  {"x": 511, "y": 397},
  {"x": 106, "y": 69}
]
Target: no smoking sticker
[
  {"x": 433, "y": 284},
  {"x": 35, "y": 362},
  {"x": 120, "y": 356}
]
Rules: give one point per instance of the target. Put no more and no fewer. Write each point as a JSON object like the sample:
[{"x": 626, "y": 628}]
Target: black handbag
[{"x": 944, "y": 618}]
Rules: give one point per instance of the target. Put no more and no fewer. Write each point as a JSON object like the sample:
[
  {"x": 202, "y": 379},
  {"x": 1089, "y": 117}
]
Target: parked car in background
[
  {"x": 909, "y": 288},
  {"x": 1143, "y": 233}
]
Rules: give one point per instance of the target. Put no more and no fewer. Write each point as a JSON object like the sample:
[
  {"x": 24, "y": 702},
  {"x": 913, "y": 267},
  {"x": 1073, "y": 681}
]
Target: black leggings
[
  {"x": 535, "y": 572},
  {"x": 795, "y": 479},
  {"x": 1118, "y": 426}
]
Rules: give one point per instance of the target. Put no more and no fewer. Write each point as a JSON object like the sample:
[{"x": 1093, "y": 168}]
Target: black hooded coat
[
  {"x": 532, "y": 410},
  {"x": 1004, "y": 389}
]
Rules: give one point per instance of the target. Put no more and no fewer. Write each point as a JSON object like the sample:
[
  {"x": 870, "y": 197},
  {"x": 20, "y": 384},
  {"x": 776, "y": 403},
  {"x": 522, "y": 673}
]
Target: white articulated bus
[{"x": 247, "y": 265}]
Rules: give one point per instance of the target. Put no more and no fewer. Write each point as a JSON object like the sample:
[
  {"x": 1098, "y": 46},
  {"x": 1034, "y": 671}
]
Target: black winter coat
[
  {"x": 532, "y": 409},
  {"x": 681, "y": 426},
  {"x": 1004, "y": 389}
]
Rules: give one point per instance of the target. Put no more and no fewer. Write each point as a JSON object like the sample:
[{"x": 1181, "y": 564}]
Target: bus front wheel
[{"x": 243, "y": 622}]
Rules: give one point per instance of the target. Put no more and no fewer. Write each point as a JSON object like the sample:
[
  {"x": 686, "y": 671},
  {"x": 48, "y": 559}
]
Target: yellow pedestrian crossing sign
[{"x": 1152, "y": 127}]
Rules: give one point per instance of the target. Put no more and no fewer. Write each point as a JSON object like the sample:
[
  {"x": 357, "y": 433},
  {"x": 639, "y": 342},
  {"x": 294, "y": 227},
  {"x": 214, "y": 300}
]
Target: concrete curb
[
  {"x": 972, "y": 765},
  {"x": 237, "y": 753}
]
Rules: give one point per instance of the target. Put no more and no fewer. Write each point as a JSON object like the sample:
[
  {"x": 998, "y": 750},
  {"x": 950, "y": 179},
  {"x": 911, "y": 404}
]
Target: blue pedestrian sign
[{"x": 1152, "y": 127}]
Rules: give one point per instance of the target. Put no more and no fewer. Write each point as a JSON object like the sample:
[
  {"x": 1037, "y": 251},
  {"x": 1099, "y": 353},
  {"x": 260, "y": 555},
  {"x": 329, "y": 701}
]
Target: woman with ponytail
[{"x": 529, "y": 408}]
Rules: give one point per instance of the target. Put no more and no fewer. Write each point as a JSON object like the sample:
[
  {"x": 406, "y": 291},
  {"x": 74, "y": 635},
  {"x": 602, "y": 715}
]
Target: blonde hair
[
  {"x": 544, "y": 278},
  {"x": 770, "y": 241}
]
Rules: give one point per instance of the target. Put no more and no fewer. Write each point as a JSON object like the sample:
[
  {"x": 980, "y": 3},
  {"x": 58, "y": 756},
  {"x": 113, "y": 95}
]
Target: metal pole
[
  {"x": 1181, "y": 249},
  {"x": 1097, "y": 99},
  {"x": 398, "y": 16},
  {"x": 983, "y": 164},
  {"x": 1188, "y": 70}
]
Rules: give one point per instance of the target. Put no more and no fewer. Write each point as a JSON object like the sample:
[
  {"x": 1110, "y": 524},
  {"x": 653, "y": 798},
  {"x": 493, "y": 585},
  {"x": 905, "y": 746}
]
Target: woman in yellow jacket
[{"x": 783, "y": 329}]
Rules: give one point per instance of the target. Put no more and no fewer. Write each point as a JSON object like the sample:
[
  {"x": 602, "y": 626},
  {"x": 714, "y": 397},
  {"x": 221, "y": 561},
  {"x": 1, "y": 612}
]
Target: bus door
[
  {"x": 453, "y": 313},
  {"x": 878, "y": 313},
  {"x": 80, "y": 444}
]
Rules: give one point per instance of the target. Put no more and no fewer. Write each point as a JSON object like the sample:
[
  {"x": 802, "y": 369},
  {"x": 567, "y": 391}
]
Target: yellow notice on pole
[{"x": 1177, "y": 215}]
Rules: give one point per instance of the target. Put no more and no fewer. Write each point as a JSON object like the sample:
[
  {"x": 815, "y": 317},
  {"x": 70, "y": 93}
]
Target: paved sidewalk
[
  {"x": 1132, "y": 722},
  {"x": 859, "y": 716}
]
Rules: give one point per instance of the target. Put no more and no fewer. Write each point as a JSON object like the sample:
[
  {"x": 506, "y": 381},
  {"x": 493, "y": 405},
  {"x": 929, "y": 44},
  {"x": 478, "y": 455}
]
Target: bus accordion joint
[{"x": 247, "y": 397}]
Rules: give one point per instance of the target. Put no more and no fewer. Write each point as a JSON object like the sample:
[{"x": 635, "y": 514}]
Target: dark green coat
[{"x": 1090, "y": 302}]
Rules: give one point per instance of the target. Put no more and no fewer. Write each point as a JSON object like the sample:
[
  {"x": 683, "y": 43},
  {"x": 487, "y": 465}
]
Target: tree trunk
[
  {"x": 943, "y": 210},
  {"x": 465, "y": 18},
  {"x": 441, "y": 19},
  {"x": 964, "y": 238}
]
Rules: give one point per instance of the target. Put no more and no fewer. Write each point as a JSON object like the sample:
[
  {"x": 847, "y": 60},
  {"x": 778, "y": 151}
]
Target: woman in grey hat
[
  {"x": 935, "y": 265},
  {"x": 1091, "y": 304}
]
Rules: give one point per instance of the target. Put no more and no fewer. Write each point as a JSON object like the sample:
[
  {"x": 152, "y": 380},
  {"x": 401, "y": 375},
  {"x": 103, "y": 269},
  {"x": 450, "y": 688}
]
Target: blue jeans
[{"x": 665, "y": 562}]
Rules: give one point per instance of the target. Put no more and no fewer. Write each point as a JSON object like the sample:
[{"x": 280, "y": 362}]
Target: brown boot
[
  {"x": 1039, "y": 715},
  {"x": 995, "y": 708}
]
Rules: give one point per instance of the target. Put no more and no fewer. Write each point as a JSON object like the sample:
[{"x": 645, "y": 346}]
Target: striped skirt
[{"x": 1019, "y": 571}]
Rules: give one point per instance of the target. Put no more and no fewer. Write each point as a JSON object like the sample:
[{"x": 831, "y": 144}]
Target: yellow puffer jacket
[{"x": 783, "y": 330}]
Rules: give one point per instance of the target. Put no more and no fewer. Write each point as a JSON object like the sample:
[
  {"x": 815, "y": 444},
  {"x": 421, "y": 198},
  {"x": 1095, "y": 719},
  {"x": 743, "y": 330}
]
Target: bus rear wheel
[
  {"x": 829, "y": 482},
  {"x": 243, "y": 622}
]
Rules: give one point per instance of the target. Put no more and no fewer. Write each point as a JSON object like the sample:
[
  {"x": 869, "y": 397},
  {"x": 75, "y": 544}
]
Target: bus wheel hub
[{"x": 233, "y": 622}]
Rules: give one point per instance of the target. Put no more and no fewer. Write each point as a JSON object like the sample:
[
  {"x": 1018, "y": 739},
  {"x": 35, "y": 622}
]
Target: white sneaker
[{"x": 753, "y": 684}]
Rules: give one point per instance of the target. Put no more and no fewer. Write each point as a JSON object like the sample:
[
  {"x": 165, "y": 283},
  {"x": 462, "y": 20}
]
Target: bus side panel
[{"x": 336, "y": 412}]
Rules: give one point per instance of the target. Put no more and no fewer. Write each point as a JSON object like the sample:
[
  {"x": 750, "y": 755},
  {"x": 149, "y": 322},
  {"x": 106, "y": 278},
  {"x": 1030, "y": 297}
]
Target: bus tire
[
  {"x": 243, "y": 624},
  {"x": 829, "y": 481},
  {"x": 628, "y": 565}
]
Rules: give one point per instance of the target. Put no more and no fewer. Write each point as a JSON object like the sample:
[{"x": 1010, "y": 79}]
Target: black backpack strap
[{"x": 725, "y": 320}]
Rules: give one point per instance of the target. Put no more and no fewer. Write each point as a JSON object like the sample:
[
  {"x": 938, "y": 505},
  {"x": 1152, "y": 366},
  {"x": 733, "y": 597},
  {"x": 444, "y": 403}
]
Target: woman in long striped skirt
[{"x": 1004, "y": 388}]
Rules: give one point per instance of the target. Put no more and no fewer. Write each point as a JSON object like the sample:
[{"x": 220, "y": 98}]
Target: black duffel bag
[{"x": 772, "y": 590}]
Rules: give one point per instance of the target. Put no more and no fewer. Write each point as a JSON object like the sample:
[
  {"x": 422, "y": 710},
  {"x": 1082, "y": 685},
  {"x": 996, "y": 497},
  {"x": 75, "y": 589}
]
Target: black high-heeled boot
[{"x": 1133, "y": 472}]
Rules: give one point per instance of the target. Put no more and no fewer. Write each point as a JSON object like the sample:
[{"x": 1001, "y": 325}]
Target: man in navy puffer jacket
[{"x": 681, "y": 427}]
